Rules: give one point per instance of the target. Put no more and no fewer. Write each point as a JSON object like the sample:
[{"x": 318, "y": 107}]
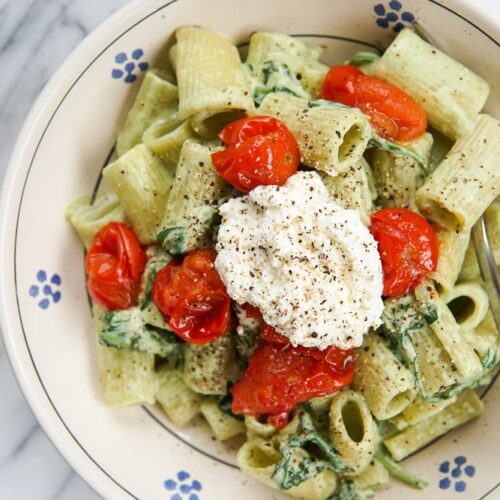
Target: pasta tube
[
  {"x": 208, "y": 368},
  {"x": 127, "y": 377},
  {"x": 469, "y": 304},
  {"x": 178, "y": 401},
  {"x": 470, "y": 268},
  {"x": 213, "y": 89},
  {"x": 419, "y": 410},
  {"x": 450, "y": 94},
  {"x": 452, "y": 248},
  {"x": 223, "y": 426},
  {"x": 467, "y": 181},
  {"x": 87, "y": 217},
  {"x": 189, "y": 211},
  {"x": 397, "y": 178},
  {"x": 166, "y": 136},
  {"x": 353, "y": 430},
  {"x": 331, "y": 138},
  {"x": 387, "y": 385},
  {"x": 448, "y": 331},
  {"x": 485, "y": 337},
  {"x": 155, "y": 98},
  {"x": 375, "y": 476},
  {"x": 274, "y": 64},
  {"x": 466, "y": 407},
  {"x": 258, "y": 458},
  {"x": 142, "y": 182},
  {"x": 351, "y": 189}
]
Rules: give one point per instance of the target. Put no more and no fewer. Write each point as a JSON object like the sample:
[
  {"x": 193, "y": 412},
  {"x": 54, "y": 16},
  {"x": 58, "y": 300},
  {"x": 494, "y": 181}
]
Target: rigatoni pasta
[
  {"x": 399, "y": 177},
  {"x": 331, "y": 139},
  {"x": 142, "y": 182},
  {"x": 212, "y": 86},
  {"x": 200, "y": 261},
  {"x": 450, "y": 94},
  {"x": 165, "y": 138},
  {"x": 223, "y": 426},
  {"x": 88, "y": 217},
  {"x": 351, "y": 189},
  {"x": 176, "y": 399},
  {"x": 467, "y": 181},
  {"x": 466, "y": 407},
  {"x": 157, "y": 97},
  {"x": 448, "y": 331},
  {"x": 127, "y": 377},
  {"x": 387, "y": 385},
  {"x": 353, "y": 430}
]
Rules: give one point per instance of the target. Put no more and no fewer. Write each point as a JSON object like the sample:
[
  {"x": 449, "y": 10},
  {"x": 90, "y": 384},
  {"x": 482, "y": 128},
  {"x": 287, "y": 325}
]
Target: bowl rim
[{"x": 475, "y": 14}]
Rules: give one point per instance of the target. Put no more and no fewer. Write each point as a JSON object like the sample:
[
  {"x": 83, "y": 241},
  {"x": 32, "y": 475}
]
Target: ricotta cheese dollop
[{"x": 310, "y": 265}]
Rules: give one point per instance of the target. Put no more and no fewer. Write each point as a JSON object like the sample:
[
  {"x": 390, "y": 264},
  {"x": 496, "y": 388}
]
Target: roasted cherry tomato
[
  {"x": 332, "y": 354},
  {"x": 115, "y": 263},
  {"x": 280, "y": 376},
  {"x": 279, "y": 421},
  {"x": 393, "y": 113},
  {"x": 252, "y": 312},
  {"x": 192, "y": 298},
  {"x": 260, "y": 151},
  {"x": 408, "y": 248}
]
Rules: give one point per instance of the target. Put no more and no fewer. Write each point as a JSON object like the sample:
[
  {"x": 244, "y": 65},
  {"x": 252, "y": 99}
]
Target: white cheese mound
[{"x": 308, "y": 264}]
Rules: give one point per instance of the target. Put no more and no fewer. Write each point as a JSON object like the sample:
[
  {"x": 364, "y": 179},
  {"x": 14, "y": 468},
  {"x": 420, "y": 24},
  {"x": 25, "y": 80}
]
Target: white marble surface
[{"x": 35, "y": 37}]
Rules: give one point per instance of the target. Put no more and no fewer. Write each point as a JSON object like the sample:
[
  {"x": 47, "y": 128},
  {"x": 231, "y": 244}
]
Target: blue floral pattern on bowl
[
  {"x": 455, "y": 474},
  {"x": 183, "y": 488},
  {"x": 46, "y": 291},
  {"x": 393, "y": 16},
  {"x": 129, "y": 66}
]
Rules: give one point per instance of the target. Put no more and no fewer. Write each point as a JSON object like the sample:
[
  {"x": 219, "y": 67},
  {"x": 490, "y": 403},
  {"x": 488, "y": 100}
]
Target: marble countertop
[{"x": 35, "y": 37}]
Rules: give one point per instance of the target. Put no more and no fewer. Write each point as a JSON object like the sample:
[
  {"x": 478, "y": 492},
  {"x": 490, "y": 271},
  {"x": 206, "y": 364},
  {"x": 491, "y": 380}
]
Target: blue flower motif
[
  {"x": 182, "y": 488},
  {"x": 45, "y": 290},
  {"x": 455, "y": 470},
  {"x": 129, "y": 67},
  {"x": 391, "y": 16}
]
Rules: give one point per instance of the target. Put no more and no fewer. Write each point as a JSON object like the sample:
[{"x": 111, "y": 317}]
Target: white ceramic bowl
[{"x": 135, "y": 452}]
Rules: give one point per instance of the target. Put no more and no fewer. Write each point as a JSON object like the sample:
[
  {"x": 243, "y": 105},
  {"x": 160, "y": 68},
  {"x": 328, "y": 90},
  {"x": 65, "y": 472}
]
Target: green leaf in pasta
[
  {"x": 273, "y": 76},
  {"x": 488, "y": 361},
  {"x": 157, "y": 259},
  {"x": 361, "y": 58},
  {"x": 403, "y": 317},
  {"x": 261, "y": 92},
  {"x": 294, "y": 468},
  {"x": 195, "y": 231},
  {"x": 398, "y": 150},
  {"x": 270, "y": 67},
  {"x": 399, "y": 471},
  {"x": 346, "y": 490},
  {"x": 127, "y": 329}
]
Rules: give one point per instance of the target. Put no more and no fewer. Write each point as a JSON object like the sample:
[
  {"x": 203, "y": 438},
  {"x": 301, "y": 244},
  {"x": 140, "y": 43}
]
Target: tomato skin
[
  {"x": 252, "y": 312},
  {"x": 280, "y": 376},
  {"x": 393, "y": 113},
  {"x": 408, "y": 248},
  {"x": 340, "y": 358},
  {"x": 260, "y": 151},
  {"x": 279, "y": 421},
  {"x": 193, "y": 299},
  {"x": 114, "y": 263}
]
